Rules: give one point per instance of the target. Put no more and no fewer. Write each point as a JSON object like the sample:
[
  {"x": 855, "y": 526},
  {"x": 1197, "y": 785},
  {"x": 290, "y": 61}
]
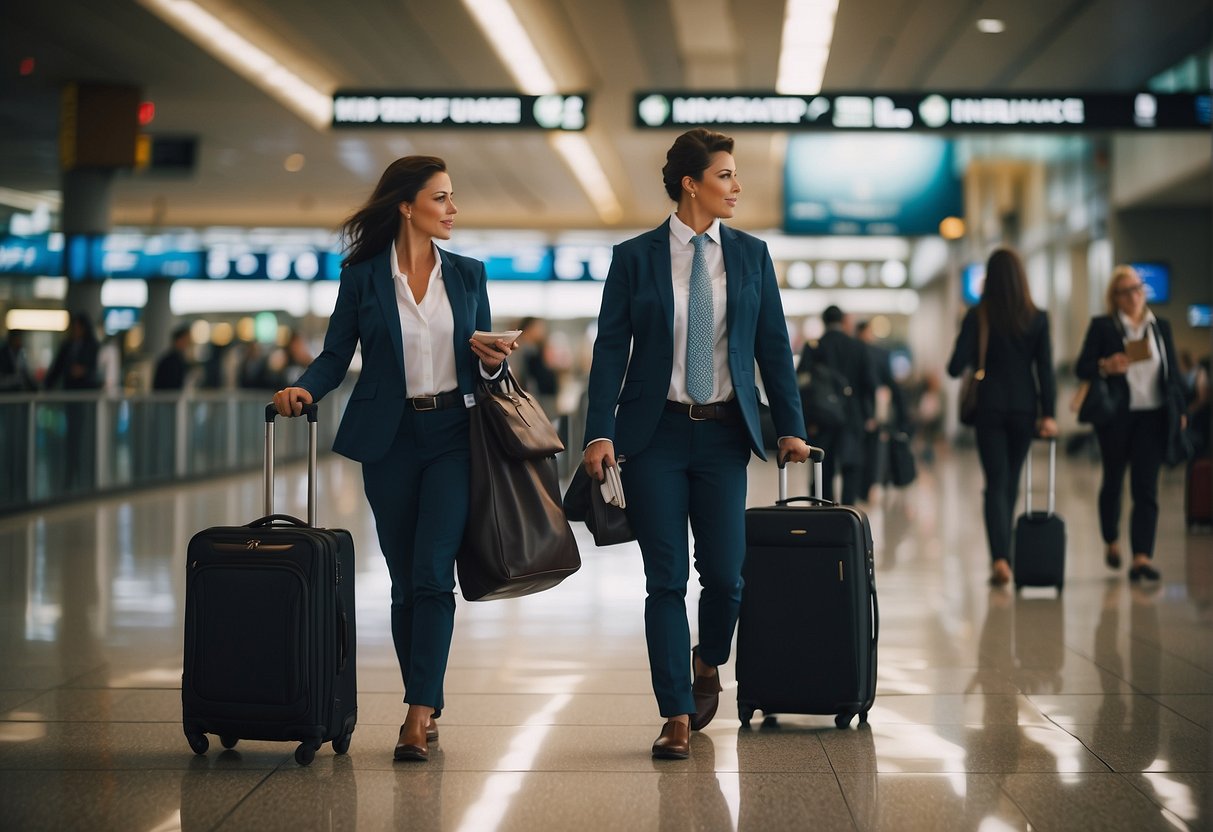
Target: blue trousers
[
  {"x": 419, "y": 496},
  {"x": 696, "y": 471}
]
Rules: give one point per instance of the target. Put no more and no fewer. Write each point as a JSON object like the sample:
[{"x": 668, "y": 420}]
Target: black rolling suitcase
[
  {"x": 269, "y": 627},
  {"x": 807, "y": 630},
  {"x": 1040, "y": 536}
]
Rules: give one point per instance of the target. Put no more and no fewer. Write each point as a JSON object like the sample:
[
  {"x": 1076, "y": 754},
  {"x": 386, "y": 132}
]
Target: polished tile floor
[{"x": 1092, "y": 711}]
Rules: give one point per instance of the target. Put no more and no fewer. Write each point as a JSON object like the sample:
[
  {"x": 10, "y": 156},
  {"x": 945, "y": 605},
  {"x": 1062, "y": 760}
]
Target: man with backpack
[{"x": 838, "y": 392}]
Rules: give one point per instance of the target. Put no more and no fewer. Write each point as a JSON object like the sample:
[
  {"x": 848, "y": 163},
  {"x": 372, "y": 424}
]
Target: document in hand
[{"x": 612, "y": 488}]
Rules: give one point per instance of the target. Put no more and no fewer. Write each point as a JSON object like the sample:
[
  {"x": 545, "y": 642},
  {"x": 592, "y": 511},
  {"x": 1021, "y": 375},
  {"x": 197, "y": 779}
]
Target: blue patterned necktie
[{"x": 701, "y": 335}]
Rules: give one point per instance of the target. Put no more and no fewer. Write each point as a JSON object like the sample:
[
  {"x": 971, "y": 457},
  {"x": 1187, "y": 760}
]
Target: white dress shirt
[
  {"x": 1145, "y": 392},
  {"x": 682, "y": 252},
  {"x": 427, "y": 330}
]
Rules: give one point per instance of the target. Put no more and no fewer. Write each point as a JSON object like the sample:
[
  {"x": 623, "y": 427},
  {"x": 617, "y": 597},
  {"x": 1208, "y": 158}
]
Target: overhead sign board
[
  {"x": 895, "y": 112},
  {"x": 458, "y": 110}
]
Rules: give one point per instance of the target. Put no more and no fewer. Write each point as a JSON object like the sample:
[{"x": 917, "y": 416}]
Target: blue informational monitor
[
  {"x": 1157, "y": 279},
  {"x": 1200, "y": 315},
  {"x": 972, "y": 280}
]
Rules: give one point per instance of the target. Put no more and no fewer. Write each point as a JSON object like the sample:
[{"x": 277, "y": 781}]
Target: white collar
[
  {"x": 1129, "y": 325},
  {"x": 683, "y": 232}
]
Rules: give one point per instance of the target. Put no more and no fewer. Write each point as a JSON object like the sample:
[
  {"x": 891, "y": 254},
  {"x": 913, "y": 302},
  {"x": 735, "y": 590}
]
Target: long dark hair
[
  {"x": 690, "y": 155},
  {"x": 1006, "y": 298},
  {"x": 374, "y": 225}
]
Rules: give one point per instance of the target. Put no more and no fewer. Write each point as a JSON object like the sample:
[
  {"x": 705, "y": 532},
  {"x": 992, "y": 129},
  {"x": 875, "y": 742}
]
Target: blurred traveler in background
[
  {"x": 413, "y": 307},
  {"x": 75, "y": 364},
  {"x": 898, "y": 420},
  {"x": 174, "y": 366},
  {"x": 530, "y": 365},
  {"x": 1133, "y": 350},
  {"x": 849, "y": 364},
  {"x": 687, "y": 309},
  {"x": 1016, "y": 397},
  {"x": 15, "y": 376}
]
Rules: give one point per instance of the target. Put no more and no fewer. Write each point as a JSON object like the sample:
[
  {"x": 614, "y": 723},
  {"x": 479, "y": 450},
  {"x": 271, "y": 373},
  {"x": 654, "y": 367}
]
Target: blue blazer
[
  {"x": 367, "y": 311},
  {"x": 637, "y": 316}
]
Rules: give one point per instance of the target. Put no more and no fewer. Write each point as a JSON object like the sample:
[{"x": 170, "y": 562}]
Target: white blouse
[{"x": 427, "y": 330}]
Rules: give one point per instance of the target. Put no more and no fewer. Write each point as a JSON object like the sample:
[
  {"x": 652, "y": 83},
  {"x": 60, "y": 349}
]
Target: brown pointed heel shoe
[
  {"x": 674, "y": 742},
  {"x": 411, "y": 747},
  {"x": 706, "y": 691}
]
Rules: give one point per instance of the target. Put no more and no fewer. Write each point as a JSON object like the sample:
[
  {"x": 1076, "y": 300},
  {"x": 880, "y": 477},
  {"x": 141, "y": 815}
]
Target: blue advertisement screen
[
  {"x": 899, "y": 185},
  {"x": 36, "y": 255},
  {"x": 1157, "y": 280},
  {"x": 972, "y": 281}
]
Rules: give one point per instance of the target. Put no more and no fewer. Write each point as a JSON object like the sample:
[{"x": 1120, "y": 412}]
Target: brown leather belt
[
  {"x": 727, "y": 412},
  {"x": 450, "y": 398}
]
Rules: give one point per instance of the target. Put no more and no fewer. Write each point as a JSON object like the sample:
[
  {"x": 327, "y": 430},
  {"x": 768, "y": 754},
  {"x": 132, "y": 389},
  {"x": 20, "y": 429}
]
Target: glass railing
[{"x": 69, "y": 445}]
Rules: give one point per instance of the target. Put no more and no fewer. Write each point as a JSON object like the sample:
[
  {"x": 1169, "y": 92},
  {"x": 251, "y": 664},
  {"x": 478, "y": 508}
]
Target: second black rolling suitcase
[
  {"x": 809, "y": 621},
  {"x": 269, "y": 627},
  {"x": 1040, "y": 536}
]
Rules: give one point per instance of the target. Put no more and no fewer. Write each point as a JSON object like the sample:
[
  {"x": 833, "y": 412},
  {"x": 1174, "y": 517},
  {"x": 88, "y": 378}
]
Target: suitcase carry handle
[
  {"x": 818, "y": 501},
  {"x": 1052, "y": 440},
  {"x": 816, "y": 455},
  {"x": 312, "y": 411},
  {"x": 271, "y": 519}
]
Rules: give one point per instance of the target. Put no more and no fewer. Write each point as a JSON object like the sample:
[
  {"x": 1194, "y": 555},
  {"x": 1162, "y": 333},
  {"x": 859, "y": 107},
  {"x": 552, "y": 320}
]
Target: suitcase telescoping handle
[
  {"x": 1052, "y": 440},
  {"x": 816, "y": 455},
  {"x": 311, "y": 411}
]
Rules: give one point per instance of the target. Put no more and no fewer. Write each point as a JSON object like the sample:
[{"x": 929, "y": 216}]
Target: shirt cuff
[{"x": 601, "y": 439}]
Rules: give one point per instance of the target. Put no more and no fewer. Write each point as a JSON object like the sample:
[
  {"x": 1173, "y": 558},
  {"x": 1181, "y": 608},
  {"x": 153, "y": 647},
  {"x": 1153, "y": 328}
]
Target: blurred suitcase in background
[
  {"x": 1198, "y": 496},
  {"x": 1040, "y": 536},
  {"x": 808, "y": 626},
  {"x": 269, "y": 627}
]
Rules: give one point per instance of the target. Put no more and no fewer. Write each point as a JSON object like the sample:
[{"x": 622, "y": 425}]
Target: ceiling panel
[{"x": 610, "y": 48}]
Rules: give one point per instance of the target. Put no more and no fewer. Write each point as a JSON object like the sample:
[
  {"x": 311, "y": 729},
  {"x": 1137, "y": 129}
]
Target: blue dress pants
[
  {"x": 692, "y": 470},
  {"x": 419, "y": 495}
]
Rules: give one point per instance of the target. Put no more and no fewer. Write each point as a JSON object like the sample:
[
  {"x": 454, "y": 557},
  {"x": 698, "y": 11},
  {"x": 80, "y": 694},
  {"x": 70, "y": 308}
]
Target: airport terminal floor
[{"x": 1092, "y": 710}]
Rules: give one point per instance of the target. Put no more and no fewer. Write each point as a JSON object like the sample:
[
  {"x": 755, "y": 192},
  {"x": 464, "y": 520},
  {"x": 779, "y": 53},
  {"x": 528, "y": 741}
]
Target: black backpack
[{"x": 823, "y": 396}]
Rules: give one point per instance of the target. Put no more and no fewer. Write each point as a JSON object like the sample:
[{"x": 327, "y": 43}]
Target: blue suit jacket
[
  {"x": 367, "y": 311},
  {"x": 638, "y": 315}
]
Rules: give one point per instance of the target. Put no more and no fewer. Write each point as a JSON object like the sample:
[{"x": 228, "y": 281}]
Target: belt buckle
[
  {"x": 694, "y": 418},
  {"x": 429, "y": 402}
]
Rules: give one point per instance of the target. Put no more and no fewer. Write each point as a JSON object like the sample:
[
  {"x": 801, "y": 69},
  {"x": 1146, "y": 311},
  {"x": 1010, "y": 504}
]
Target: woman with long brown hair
[
  {"x": 413, "y": 307},
  {"x": 1016, "y": 397}
]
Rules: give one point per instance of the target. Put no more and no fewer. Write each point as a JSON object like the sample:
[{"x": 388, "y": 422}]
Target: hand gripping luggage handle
[
  {"x": 816, "y": 455},
  {"x": 1052, "y": 440},
  {"x": 312, "y": 411}
]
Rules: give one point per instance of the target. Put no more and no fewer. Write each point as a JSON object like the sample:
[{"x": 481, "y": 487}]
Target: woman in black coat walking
[
  {"x": 1134, "y": 351},
  {"x": 1016, "y": 396}
]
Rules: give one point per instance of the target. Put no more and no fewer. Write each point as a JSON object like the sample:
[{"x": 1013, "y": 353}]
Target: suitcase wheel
[
  {"x": 229, "y": 742},
  {"x": 305, "y": 753},
  {"x": 745, "y": 713},
  {"x": 843, "y": 720},
  {"x": 198, "y": 742},
  {"x": 863, "y": 717},
  {"x": 342, "y": 744}
]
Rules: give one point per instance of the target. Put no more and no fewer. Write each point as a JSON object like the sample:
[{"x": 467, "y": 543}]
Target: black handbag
[
  {"x": 823, "y": 397},
  {"x": 517, "y": 540},
  {"x": 523, "y": 430},
  {"x": 1100, "y": 404},
  {"x": 583, "y": 502},
  {"x": 968, "y": 386}
]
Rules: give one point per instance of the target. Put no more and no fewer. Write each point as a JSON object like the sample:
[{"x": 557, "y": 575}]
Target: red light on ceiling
[
  {"x": 26, "y": 67},
  {"x": 147, "y": 112}
]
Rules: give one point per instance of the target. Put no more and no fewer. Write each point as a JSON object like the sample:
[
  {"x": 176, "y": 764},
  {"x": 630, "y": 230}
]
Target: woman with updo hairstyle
[
  {"x": 687, "y": 309},
  {"x": 413, "y": 308}
]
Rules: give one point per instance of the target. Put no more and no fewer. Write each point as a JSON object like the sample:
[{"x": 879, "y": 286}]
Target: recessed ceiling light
[
  {"x": 294, "y": 162},
  {"x": 991, "y": 25}
]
